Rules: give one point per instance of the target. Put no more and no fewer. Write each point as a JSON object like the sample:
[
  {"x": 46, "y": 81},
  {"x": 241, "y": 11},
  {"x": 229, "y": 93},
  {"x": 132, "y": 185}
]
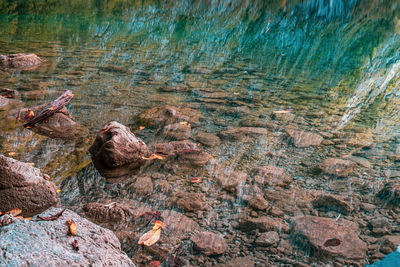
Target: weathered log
[{"x": 51, "y": 108}]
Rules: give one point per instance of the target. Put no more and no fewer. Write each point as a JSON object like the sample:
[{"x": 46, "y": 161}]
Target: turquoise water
[{"x": 334, "y": 64}]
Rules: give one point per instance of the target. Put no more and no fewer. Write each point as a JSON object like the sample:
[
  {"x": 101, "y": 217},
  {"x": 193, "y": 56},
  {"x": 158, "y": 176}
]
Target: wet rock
[
  {"x": 8, "y": 104},
  {"x": 195, "y": 158},
  {"x": 143, "y": 185},
  {"x": 10, "y": 93},
  {"x": 209, "y": 243},
  {"x": 208, "y": 139},
  {"x": 360, "y": 161},
  {"x": 327, "y": 202},
  {"x": 267, "y": 239},
  {"x": 20, "y": 61},
  {"x": 390, "y": 193},
  {"x": 315, "y": 231},
  {"x": 116, "y": 151},
  {"x": 360, "y": 139},
  {"x": 168, "y": 114},
  {"x": 283, "y": 115},
  {"x": 380, "y": 226},
  {"x": 239, "y": 262},
  {"x": 25, "y": 187},
  {"x": 231, "y": 181},
  {"x": 173, "y": 148},
  {"x": 304, "y": 139},
  {"x": 264, "y": 224},
  {"x": 113, "y": 68},
  {"x": 389, "y": 243},
  {"x": 258, "y": 122},
  {"x": 178, "y": 131},
  {"x": 272, "y": 175},
  {"x": 243, "y": 133},
  {"x": 189, "y": 201},
  {"x": 48, "y": 242},
  {"x": 367, "y": 207},
  {"x": 338, "y": 167},
  {"x": 254, "y": 196}
]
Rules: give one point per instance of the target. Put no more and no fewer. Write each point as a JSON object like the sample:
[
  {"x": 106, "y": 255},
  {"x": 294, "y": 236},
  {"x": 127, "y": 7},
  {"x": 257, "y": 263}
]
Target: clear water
[{"x": 335, "y": 63}]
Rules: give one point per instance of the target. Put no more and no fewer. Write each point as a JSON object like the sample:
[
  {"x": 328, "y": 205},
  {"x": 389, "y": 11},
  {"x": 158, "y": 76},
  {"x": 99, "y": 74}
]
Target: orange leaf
[
  {"x": 141, "y": 128},
  {"x": 12, "y": 153},
  {"x": 14, "y": 212},
  {"x": 72, "y": 227},
  {"x": 158, "y": 224},
  {"x": 51, "y": 108},
  {"x": 58, "y": 191},
  {"x": 105, "y": 129},
  {"x": 28, "y": 127},
  {"x": 184, "y": 123},
  {"x": 154, "y": 264},
  {"x": 1, "y": 213},
  {"x": 150, "y": 237},
  {"x": 30, "y": 115},
  {"x": 195, "y": 180},
  {"x": 27, "y": 218},
  {"x": 154, "y": 156}
]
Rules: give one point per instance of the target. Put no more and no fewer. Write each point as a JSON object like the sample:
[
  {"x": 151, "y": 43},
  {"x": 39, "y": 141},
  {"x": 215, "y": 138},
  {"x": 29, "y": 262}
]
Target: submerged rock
[
  {"x": 264, "y": 224},
  {"x": 266, "y": 239},
  {"x": 239, "y": 262},
  {"x": 254, "y": 196},
  {"x": 116, "y": 151},
  {"x": 49, "y": 243},
  {"x": 177, "y": 131},
  {"x": 189, "y": 201},
  {"x": 273, "y": 176},
  {"x": 243, "y": 133},
  {"x": 390, "y": 193},
  {"x": 20, "y": 61},
  {"x": 209, "y": 243},
  {"x": 231, "y": 181},
  {"x": 337, "y": 167},
  {"x": 25, "y": 187},
  {"x": 208, "y": 139},
  {"x": 304, "y": 139},
  {"x": 327, "y": 202},
  {"x": 329, "y": 237},
  {"x": 168, "y": 114}
]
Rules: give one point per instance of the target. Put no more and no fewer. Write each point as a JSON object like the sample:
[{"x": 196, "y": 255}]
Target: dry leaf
[
  {"x": 58, "y": 191},
  {"x": 184, "y": 123},
  {"x": 158, "y": 224},
  {"x": 14, "y": 212},
  {"x": 195, "y": 180},
  {"x": 105, "y": 129},
  {"x": 52, "y": 108},
  {"x": 72, "y": 227},
  {"x": 150, "y": 237},
  {"x": 12, "y": 153},
  {"x": 154, "y": 264},
  {"x": 30, "y": 115},
  {"x": 27, "y": 218},
  {"x": 283, "y": 111},
  {"x": 154, "y": 156},
  {"x": 31, "y": 163},
  {"x": 141, "y": 128}
]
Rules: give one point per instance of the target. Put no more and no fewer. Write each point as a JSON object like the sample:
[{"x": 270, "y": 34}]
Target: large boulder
[
  {"x": 304, "y": 139},
  {"x": 25, "y": 187},
  {"x": 20, "y": 61},
  {"x": 329, "y": 237},
  {"x": 116, "y": 151},
  {"x": 48, "y": 243}
]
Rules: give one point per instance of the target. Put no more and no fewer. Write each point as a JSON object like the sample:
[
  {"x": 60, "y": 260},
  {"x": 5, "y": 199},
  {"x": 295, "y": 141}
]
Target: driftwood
[{"x": 51, "y": 108}]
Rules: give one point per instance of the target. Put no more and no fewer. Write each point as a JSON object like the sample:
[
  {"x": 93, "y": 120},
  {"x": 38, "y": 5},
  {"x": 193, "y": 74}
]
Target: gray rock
[
  {"x": 25, "y": 187},
  {"x": 48, "y": 243}
]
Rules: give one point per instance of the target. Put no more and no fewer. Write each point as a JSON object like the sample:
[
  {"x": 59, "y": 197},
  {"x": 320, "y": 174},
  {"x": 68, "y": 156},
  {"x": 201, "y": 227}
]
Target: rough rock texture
[
  {"x": 58, "y": 126},
  {"x": 254, "y": 196},
  {"x": 231, "y": 181},
  {"x": 243, "y": 133},
  {"x": 208, "y": 139},
  {"x": 283, "y": 116},
  {"x": 304, "y": 139},
  {"x": 210, "y": 243},
  {"x": 20, "y": 61},
  {"x": 327, "y": 202},
  {"x": 177, "y": 131},
  {"x": 239, "y": 262},
  {"x": 266, "y": 239},
  {"x": 168, "y": 114},
  {"x": 8, "y": 103},
  {"x": 117, "y": 151},
  {"x": 338, "y": 167},
  {"x": 390, "y": 193},
  {"x": 189, "y": 201},
  {"x": 273, "y": 176},
  {"x": 380, "y": 225},
  {"x": 264, "y": 224},
  {"x": 143, "y": 185},
  {"x": 25, "y": 187},
  {"x": 389, "y": 243},
  {"x": 42, "y": 243},
  {"x": 360, "y": 139},
  {"x": 315, "y": 231}
]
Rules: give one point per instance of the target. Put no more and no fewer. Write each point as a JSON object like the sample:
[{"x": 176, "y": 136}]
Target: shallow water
[{"x": 334, "y": 66}]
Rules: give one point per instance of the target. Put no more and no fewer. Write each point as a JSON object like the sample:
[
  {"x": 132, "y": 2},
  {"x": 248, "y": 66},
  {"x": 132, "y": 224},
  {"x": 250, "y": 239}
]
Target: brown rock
[
  {"x": 210, "y": 243},
  {"x": 267, "y": 239},
  {"x": 242, "y": 133},
  {"x": 20, "y": 61},
  {"x": 25, "y": 187},
  {"x": 178, "y": 131},
  {"x": 327, "y": 202},
  {"x": 390, "y": 193},
  {"x": 239, "y": 262},
  {"x": 389, "y": 243},
  {"x": 254, "y": 196},
  {"x": 117, "y": 151},
  {"x": 273, "y": 176},
  {"x": 8, "y": 104},
  {"x": 143, "y": 185},
  {"x": 208, "y": 139},
  {"x": 283, "y": 115},
  {"x": 189, "y": 201},
  {"x": 315, "y": 231},
  {"x": 168, "y": 114},
  {"x": 338, "y": 167},
  {"x": 360, "y": 139},
  {"x": 380, "y": 226},
  {"x": 232, "y": 181},
  {"x": 304, "y": 139},
  {"x": 9, "y": 93},
  {"x": 264, "y": 224}
]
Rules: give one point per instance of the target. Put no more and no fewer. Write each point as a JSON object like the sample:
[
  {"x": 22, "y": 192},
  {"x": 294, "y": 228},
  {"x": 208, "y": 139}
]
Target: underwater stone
[
  {"x": 20, "y": 61},
  {"x": 304, "y": 139}
]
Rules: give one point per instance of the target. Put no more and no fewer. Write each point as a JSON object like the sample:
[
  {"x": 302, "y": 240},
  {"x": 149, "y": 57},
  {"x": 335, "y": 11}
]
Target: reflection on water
[{"x": 328, "y": 66}]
